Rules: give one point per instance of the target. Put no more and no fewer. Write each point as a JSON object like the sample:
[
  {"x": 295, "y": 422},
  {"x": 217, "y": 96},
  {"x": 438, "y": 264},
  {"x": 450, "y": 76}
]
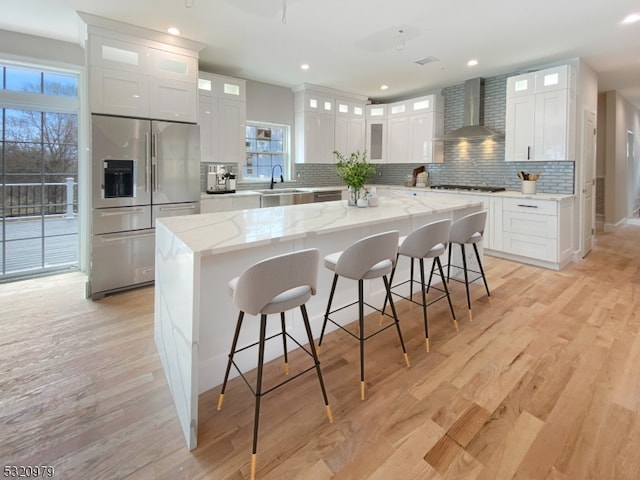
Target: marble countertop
[{"x": 213, "y": 233}]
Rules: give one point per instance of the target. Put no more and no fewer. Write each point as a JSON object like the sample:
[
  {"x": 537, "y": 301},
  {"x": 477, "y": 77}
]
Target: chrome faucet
[{"x": 281, "y": 176}]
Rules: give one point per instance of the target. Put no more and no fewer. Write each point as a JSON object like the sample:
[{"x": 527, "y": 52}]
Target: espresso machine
[{"x": 219, "y": 180}]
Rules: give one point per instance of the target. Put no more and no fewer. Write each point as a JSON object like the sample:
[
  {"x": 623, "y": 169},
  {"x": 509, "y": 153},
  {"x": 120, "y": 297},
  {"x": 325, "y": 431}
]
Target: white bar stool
[
  {"x": 274, "y": 285},
  {"x": 428, "y": 241},
  {"x": 469, "y": 230},
  {"x": 371, "y": 257}
]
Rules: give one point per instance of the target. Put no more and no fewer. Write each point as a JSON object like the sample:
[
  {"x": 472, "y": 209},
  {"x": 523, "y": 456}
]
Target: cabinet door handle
[
  {"x": 135, "y": 211},
  {"x": 155, "y": 169},
  {"x": 527, "y": 206},
  {"x": 147, "y": 159},
  {"x": 529, "y": 153},
  {"x": 176, "y": 209},
  {"x": 107, "y": 238}
]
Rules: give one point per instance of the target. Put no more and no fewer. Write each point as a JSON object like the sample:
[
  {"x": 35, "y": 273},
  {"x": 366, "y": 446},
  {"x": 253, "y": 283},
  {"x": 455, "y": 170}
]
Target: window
[
  {"x": 38, "y": 171},
  {"x": 267, "y": 145}
]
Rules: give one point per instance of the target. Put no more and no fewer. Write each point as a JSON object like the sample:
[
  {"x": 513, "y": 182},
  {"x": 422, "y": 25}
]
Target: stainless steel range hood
[{"x": 473, "y": 119}]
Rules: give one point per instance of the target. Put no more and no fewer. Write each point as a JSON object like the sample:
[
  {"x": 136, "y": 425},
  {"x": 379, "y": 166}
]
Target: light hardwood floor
[{"x": 543, "y": 384}]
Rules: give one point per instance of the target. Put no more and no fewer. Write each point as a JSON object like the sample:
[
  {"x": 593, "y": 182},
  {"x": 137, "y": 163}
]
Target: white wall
[
  {"x": 45, "y": 50},
  {"x": 621, "y": 186},
  {"x": 271, "y": 104}
]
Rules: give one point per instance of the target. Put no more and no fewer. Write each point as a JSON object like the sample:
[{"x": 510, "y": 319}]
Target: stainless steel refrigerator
[{"x": 141, "y": 170}]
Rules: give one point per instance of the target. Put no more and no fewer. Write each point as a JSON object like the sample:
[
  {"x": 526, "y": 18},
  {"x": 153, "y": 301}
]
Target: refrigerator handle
[
  {"x": 154, "y": 160},
  {"x": 146, "y": 161}
]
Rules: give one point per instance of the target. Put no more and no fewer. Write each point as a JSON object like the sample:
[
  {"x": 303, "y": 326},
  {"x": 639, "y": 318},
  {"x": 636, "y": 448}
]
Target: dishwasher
[{"x": 327, "y": 196}]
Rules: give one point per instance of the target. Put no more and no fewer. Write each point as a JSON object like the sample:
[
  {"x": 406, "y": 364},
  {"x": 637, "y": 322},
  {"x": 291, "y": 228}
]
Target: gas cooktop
[{"x": 469, "y": 188}]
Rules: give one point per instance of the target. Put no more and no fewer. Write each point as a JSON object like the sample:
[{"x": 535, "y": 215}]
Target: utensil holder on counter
[{"x": 528, "y": 187}]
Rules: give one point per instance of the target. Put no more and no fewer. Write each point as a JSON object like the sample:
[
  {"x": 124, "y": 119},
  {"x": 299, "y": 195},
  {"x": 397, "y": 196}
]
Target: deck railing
[{"x": 35, "y": 199}]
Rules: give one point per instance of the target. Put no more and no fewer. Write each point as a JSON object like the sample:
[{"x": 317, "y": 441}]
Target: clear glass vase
[{"x": 354, "y": 195}]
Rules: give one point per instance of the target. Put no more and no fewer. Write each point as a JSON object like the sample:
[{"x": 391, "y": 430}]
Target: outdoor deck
[{"x": 32, "y": 244}]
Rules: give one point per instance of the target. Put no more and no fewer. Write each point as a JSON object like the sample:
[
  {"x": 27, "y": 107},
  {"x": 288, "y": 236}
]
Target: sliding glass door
[{"x": 38, "y": 172}]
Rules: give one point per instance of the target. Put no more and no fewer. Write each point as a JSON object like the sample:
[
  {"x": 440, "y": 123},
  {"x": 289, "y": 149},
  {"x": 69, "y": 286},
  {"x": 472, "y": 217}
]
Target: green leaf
[{"x": 354, "y": 170}]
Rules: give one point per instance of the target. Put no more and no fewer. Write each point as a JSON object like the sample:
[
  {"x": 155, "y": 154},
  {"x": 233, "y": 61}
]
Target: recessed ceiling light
[
  {"x": 472, "y": 63},
  {"x": 631, "y": 18},
  {"x": 173, "y": 31},
  {"x": 384, "y": 87},
  {"x": 304, "y": 66}
]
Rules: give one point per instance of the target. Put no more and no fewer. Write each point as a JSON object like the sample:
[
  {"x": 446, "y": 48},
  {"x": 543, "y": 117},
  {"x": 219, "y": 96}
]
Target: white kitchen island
[{"x": 197, "y": 255}]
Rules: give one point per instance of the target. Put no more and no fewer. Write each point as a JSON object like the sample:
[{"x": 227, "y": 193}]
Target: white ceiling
[{"x": 350, "y": 44}]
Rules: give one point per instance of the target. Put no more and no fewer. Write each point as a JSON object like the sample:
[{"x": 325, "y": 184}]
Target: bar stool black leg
[
  {"x": 484, "y": 279},
  {"x": 384, "y": 305},
  {"x": 256, "y": 417},
  {"x": 231, "y": 353},
  {"x": 448, "y": 265},
  {"x": 424, "y": 305},
  {"x": 314, "y": 354},
  {"x": 446, "y": 290},
  {"x": 466, "y": 280},
  {"x": 411, "y": 281},
  {"x": 433, "y": 264},
  {"x": 326, "y": 314},
  {"x": 387, "y": 286},
  {"x": 361, "y": 333},
  {"x": 284, "y": 343}
]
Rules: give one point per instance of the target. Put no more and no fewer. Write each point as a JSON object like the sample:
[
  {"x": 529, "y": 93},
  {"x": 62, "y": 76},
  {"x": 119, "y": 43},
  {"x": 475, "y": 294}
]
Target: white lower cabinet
[
  {"x": 529, "y": 230},
  {"x": 538, "y": 229}
]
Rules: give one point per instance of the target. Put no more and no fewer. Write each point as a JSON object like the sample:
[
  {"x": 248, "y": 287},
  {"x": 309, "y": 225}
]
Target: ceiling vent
[{"x": 426, "y": 60}]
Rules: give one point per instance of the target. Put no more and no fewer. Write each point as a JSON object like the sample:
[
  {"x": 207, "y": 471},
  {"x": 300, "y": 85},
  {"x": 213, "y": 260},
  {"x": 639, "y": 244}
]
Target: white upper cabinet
[
  {"x": 140, "y": 78},
  {"x": 119, "y": 92},
  {"x": 222, "y": 116},
  {"x": 398, "y": 133},
  {"x": 350, "y": 126},
  {"x": 556, "y": 78},
  {"x": 540, "y": 117},
  {"x": 521, "y": 85},
  {"x": 412, "y": 126},
  {"x": 327, "y": 120}
]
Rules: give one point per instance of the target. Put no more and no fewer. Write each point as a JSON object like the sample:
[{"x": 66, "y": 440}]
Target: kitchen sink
[
  {"x": 292, "y": 196},
  {"x": 295, "y": 196}
]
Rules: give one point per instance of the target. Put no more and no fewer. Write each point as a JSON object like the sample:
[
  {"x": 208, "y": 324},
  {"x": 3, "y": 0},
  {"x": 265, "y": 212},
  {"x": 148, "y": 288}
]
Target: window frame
[
  {"x": 45, "y": 103},
  {"x": 285, "y": 153}
]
